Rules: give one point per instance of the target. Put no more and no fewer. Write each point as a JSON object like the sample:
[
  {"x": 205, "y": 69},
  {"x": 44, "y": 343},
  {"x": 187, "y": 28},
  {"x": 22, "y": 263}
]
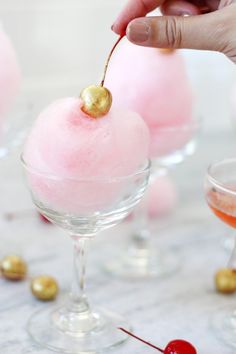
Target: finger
[
  {"x": 134, "y": 9},
  {"x": 184, "y": 7},
  {"x": 179, "y": 8},
  {"x": 193, "y": 32},
  {"x": 206, "y": 5},
  {"x": 213, "y": 4}
]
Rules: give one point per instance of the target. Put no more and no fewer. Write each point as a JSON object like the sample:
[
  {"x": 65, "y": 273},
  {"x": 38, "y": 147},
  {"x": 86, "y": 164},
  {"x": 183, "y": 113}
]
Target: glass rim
[
  {"x": 216, "y": 182},
  {"x": 51, "y": 176}
]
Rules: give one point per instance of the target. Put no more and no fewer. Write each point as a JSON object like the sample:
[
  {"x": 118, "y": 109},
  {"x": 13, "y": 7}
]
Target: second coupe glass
[{"x": 141, "y": 259}]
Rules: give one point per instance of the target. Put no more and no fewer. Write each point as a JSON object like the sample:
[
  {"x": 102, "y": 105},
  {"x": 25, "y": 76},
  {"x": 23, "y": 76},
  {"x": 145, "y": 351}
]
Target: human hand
[{"x": 214, "y": 27}]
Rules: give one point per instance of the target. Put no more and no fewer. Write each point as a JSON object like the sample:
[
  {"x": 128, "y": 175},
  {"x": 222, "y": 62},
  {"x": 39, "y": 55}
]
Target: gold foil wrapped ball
[
  {"x": 13, "y": 268},
  {"x": 44, "y": 288},
  {"x": 97, "y": 101},
  {"x": 225, "y": 281}
]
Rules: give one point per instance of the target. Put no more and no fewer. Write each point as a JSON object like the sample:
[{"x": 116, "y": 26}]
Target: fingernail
[
  {"x": 138, "y": 31},
  {"x": 116, "y": 29}
]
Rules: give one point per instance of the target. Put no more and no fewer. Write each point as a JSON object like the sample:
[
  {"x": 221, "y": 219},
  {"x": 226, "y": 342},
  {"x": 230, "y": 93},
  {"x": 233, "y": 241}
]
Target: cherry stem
[
  {"x": 109, "y": 58},
  {"x": 140, "y": 339}
]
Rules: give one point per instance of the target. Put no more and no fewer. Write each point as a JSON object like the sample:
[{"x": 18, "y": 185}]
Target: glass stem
[
  {"x": 232, "y": 260},
  {"x": 77, "y": 295},
  {"x": 141, "y": 233},
  {"x": 76, "y": 317}
]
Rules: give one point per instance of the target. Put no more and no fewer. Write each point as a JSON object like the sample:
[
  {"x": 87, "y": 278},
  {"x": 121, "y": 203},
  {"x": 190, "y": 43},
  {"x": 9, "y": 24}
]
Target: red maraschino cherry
[
  {"x": 177, "y": 346},
  {"x": 180, "y": 346}
]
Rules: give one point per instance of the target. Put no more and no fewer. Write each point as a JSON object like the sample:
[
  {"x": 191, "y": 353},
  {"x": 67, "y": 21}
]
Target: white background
[{"x": 62, "y": 45}]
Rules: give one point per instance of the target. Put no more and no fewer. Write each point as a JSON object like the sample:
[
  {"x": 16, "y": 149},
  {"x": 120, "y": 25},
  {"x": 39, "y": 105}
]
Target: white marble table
[{"x": 160, "y": 310}]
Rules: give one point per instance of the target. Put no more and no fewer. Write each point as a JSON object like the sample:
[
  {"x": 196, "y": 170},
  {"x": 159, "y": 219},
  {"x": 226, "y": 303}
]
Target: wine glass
[
  {"x": 220, "y": 193},
  {"x": 170, "y": 145},
  {"x": 82, "y": 207}
]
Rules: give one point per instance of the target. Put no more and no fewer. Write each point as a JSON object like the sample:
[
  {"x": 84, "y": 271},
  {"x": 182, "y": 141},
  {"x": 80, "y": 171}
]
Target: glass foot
[
  {"x": 105, "y": 334},
  {"x": 224, "y": 324},
  {"x": 140, "y": 264}
]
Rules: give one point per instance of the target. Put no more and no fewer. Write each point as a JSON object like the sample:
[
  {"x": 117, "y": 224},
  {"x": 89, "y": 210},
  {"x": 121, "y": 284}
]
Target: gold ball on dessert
[
  {"x": 13, "y": 268},
  {"x": 97, "y": 101},
  {"x": 225, "y": 280},
  {"x": 44, "y": 288}
]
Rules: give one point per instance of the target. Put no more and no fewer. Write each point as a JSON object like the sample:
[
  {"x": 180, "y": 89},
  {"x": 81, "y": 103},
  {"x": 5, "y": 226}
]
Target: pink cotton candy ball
[
  {"x": 10, "y": 76},
  {"x": 83, "y": 154},
  {"x": 162, "y": 197},
  {"x": 154, "y": 84}
]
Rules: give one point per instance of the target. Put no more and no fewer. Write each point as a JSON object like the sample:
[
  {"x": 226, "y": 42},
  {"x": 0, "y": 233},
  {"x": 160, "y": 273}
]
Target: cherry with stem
[{"x": 177, "y": 346}]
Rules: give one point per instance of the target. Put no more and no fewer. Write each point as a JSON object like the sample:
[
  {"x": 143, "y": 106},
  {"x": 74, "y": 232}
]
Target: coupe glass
[
  {"x": 141, "y": 259},
  {"x": 82, "y": 207},
  {"x": 220, "y": 192}
]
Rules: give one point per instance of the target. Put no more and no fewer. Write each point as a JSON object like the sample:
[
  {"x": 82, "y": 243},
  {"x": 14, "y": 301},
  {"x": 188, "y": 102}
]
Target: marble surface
[{"x": 180, "y": 306}]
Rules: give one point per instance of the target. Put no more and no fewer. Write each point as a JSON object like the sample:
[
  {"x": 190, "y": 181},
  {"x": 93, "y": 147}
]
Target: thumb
[{"x": 205, "y": 32}]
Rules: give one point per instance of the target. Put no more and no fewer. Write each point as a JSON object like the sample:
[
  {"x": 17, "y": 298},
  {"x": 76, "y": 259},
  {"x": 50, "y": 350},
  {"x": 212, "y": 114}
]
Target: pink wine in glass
[{"x": 223, "y": 205}]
